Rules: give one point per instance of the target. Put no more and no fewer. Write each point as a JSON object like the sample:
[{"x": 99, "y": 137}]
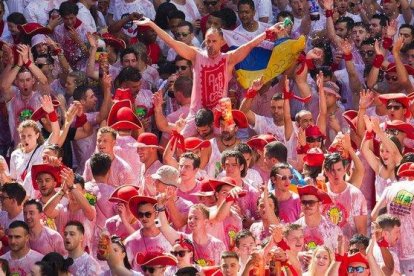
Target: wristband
[
  {"x": 383, "y": 243},
  {"x": 328, "y": 13},
  {"x": 53, "y": 116},
  {"x": 80, "y": 120},
  {"x": 270, "y": 35},
  {"x": 387, "y": 43},
  {"x": 28, "y": 63},
  {"x": 339, "y": 258},
  {"x": 230, "y": 198},
  {"x": 251, "y": 93},
  {"x": 303, "y": 149},
  {"x": 369, "y": 135},
  {"x": 17, "y": 66},
  {"x": 283, "y": 245},
  {"x": 348, "y": 57},
  {"x": 310, "y": 64},
  {"x": 378, "y": 60}
]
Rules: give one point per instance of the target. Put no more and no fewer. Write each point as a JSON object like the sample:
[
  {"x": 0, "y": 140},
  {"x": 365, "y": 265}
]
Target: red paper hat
[
  {"x": 314, "y": 157},
  {"x": 113, "y": 41},
  {"x": 313, "y": 190},
  {"x": 141, "y": 29},
  {"x": 239, "y": 118},
  {"x": 123, "y": 94},
  {"x": 194, "y": 143},
  {"x": 313, "y": 131},
  {"x": 147, "y": 140},
  {"x": 215, "y": 184},
  {"x": 393, "y": 68},
  {"x": 401, "y": 126},
  {"x": 205, "y": 190},
  {"x": 155, "y": 258},
  {"x": 258, "y": 142},
  {"x": 350, "y": 117},
  {"x": 398, "y": 97},
  {"x": 123, "y": 193},
  {"x": 31, "y": 29},
  {"x": 121, "y": 116},
  {"x": 406, "y": 170},
  {"x": 135, "y": 200},
  {"x": 357, "y": 258},
  {"x": 46, "y": 168},
  {"x": 40, "y": 113}
]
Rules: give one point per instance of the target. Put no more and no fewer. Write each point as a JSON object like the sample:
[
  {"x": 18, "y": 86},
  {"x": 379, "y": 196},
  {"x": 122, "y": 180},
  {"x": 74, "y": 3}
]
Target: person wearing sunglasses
[
  {"x": 185, "y": 34},
  {"x": 155, "y": 263},
  {"x": 183, "y": 250},
  {"x": 397, "y": 105},
  {"x": 183, "y": 67},
  {"x": 311, "y": 138}
]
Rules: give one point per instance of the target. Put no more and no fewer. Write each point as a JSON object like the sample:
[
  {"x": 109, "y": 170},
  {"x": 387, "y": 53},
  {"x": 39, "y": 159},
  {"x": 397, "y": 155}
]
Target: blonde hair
[
  {"x": 32, "y": 124},
  {"x": 312, "y": 265}
]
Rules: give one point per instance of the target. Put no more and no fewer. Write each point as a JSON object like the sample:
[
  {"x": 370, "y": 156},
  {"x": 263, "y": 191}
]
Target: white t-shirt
[{"x": 189, "y": 9}]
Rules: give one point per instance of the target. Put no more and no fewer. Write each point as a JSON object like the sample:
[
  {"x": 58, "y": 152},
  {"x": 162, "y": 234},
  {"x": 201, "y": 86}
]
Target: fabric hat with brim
[
  {"x": 155, "y": 259},
  {"x": 113, "y": 41},
  {"x": 332, "y": 88},
  {"x": 121, "y": 116},
  {"x": 194, "y": 143},
  {"x": 314, "y": 157},
  {"x": 313, "y": 131},
  {"x": 147, "y": 140},
  {"x": 215, "y": 183},
  {"x": 40, "y": 113},
  {"x": 239, "y": 118},
  {"x": 357, "y": 258},
  {"x": 123, "y": 94},
  {"x": 32, "y": 29},
  {"x": 37, "y": 39},
  {"x": 350, "y": 117},
  {"x": 124, "y": 193},
  {"x": 392, "y": 68},
  {"x": 313, "y": 190},
  {"x": 397, "y": 97},
  {"x": 258, "y": 142},
  {"x": 407, "y": 128},
  {"x": 45, "y": 168},
  {"x": 136, "y": 200},
  {"x": 205, "y": 189},
  {"x": 167, "y": 175},
  {"x": 406, "y": 170}
]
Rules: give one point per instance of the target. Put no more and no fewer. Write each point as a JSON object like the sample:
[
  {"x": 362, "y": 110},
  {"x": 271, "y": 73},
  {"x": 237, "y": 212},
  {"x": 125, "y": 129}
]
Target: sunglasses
[
  {"x": 393, "y": 132},
  {"x": 285, "y": 177},
  {"x": 150, "y": 269},
  {"x": 353, "y": 251},
  {"x": 313, "y": 139},
  {"x": 357, "y": 269},
  {"x": 308, "y": 202},
  {"x": 369, "y": 53},
  {"x": 40, "y": 65},
  {"x": 210, "y": 3},
  {"x": 394, "y": 107},
  {"x": 388, "y": 77},
  {"x": 177, "y": 34},
  {"x": 181, "y": 68},
  {"x": 146, "y": 214},
  {"x": 180, "y": 253}
]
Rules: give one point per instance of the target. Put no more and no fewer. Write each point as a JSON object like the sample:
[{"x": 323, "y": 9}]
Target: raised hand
[
  {"x": 23, "y": 51},
  {"x": 320, "y": 81},
  {"x": 379, "y": 50},
  {"x": 68, "y": 177},
  {"x": 92, "y": 40},
  {"x": 144, "y": 21},
  {"x": 71, "y": 112},
  {"x": 257, "y": 84},
  {"x": 106, "y": 82},
  {"x": 376, "y": 124},
  {"x": 47, "y": 104},
  {"x": 277, "y": 232},
  {"x": 345, "y": 46},
  {"x": 366, "y": 98},
  {"x": 368, "y": 123},
  {"x": 398, "y": 44},
  {"x": 157, "y": 100},
  {"x": 327, "y": 4},
  {"x": 315, "y": 53},
  {"x": 391, "y": 28}
]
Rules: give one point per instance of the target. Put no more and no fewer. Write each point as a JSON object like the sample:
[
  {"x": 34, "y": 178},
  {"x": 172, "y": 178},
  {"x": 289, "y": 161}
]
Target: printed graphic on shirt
[
  {"x": 401, "y": 204},
  {"x": 311, "y": 242},
  {"x": 212, "y": 83},
  {"x": 25, "y": 114},
  {"x": 204, "y": 262},
  {"x": 337, "y": 214}
]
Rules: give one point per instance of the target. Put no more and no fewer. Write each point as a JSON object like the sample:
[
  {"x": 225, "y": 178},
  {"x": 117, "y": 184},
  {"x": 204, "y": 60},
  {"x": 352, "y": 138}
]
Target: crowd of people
[{"x": 130, "y": 145}]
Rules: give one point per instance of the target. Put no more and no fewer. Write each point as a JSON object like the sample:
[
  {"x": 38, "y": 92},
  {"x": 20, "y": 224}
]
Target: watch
[{"x": 159, "y": 209}]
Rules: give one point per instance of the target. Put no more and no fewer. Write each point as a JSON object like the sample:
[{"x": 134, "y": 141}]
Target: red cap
[
  {"x": 155, "y": 258},
  {"x": 406, "y": 170},
  {"x": 40, "y": 113},
  {"x": 46, "y": 168},
  {"x": 147, "y": 140},
  {"x": 393, "y": 68},
  {"x": 314, "y": 157},
  {"x": 205, "y": 190},
  {"x": 313, "y": 190},
  {"x": 350, "y": 117},
  {"x": 313, "y": 131},
  {"x": 121, "y": 116},
  {"x": 135, "y": 200},
  {"x": 123, "y": 94},
  {"x": 113, "y": 41},
  {"x": 398, "y": 97},
  {"x": 401, "y": 126},
  {"x": 194, "y": 143},
  {"x": 258, "y": 142},
  {"x": 215, "y": 184},
  {"x": 357, "y": 258},
  {"x": 32, "y": 29},
  {"x": 142, "y": 29},
  {"x": 123, "y": 193},
  {"x": 239, "y": 118}
]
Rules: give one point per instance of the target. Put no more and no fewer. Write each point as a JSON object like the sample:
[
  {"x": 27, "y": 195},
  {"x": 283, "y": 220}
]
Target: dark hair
[
  {"x": 369, "y": 41},
  {"x": 58, "y": 262},
  {"x": 176, "y": 14},
  {"x": 388, "y": 221},
  {"x": 276, "y": 168},
  {"x": 312, "y": 171},
  {"x": 333, "y": 158},
  {"x": 407, "y": 26},
  {"x": 46, "y": 269},
  {"x": 161, "y": 16},
  {"x": 243, "y": 148},
  {"x": 359, "y": 239},
  {"x": 100, "y": 164},
  {"x": 126, "y": 51},
  {"x": 192, "y": 156},
  {"x": 56, "y": 149},
  {"x": 345, "y": 19},
  {"x": 277, "y": 97},
  {"x": 383, "y": 19},
  {"x": 4, "y": 265},
  {"x": 117, "y": 240},
  {"x": 16, "y": 18},
  {"x": 408, "y": 157},
  {"x": 239, "y": 158},
  {"x": 80, "y": 180},
  {"x": 184, "y": 85},
  {"x": 275, "y": 203},
  {"x": 284, "y": 14},
  {"x": 19, "y": 223},
  {"x": 244, "y": 233},
  {"x": 68, "y": 8},
  {"x": 34, "y": 202},
  {"x": 179, "y": 58},
  {"x": 229, "y": 254},
  {"x": 128, "y": 74},
  {"x": 80, "y": 92},
  {"x": 79, "y": 226},
  {"x": 15, "y": 191},
  {"x": 204, "y": 117},
  {"x": 229, "y": 18},
  {"x": 246, "y": 2},
  {"x": 188, "y": 24},
  {"x": 276, "y": 150},
  {"x": 362, "y": 25}
]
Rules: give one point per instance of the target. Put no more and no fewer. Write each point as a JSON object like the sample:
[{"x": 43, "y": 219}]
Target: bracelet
[
  {"x": 53, "y": 116},
  {"x": 339, "y": 258},
  {"x": 378, "y": 60},
  {"x": 270, "y": 35},
  {"x": 328, "y": 13},
  {"x": 159, "y": 209},
  {"x": 28, "y": 63},
  {"x": 348, "y": 57},
  {"x": 17, "y": 66},
  {"x": 303, "y": 149},
  {"x": 387, "y": 43},
  {"x": 369, "y": 135},
  {"x": 251, "y": 93},
  {"x": 80, "y": 120}
]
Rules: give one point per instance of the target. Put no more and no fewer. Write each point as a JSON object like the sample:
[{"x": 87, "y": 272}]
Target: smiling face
[
  {"x": 46, "y": 184},
  {"x": 322, "y": 259},
  {"x": 197, "y": 221},
  {"x": 31, "y": 215},
  {"x": 296, "y": 240},
  {"x": 105, "y": 143}
]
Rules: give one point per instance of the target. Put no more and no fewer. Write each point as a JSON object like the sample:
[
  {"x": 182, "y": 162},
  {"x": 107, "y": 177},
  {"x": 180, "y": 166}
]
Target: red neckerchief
[{"x": 77, "y": 24}]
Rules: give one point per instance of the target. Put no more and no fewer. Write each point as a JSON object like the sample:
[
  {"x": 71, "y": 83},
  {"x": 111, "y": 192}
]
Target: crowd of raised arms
[{"x": 207, "y": 137}]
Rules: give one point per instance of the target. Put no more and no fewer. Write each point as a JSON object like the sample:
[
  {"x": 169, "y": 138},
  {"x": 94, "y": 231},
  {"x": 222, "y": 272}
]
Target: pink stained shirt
[
  {"x": 23, "y": 265},
  {"x": 289, "y": 210},
  {"x": 346, "y": 205},
  {"x": 207, "y": 254},
  {"x": 226, "y": 230},
  {"x": 48, "y": 241},
  {"x": 326, "y": 233},
  {"x": 248, "y": 203},
  {"x": 115, "y": 226},
  {"x": 85, "y": 265},
  {"x": 129, "y": 154},
  {"x": 5, "y": 220},
  {"x": 188, "y": 195},
  {"x": 259, "y": 232},
  {"x": 120, "y": 173},
  {"x": 145, "y": 180}
]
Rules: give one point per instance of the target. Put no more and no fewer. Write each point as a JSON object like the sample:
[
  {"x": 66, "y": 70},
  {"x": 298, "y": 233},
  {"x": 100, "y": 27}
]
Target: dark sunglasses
[
  {"x": 313, "y": 139},
  {"x": 181, "y": 68},
  {"x": 180, "y": 253},
  {"x": 358, "y": 269},
  {"x": 177, "y": 34},
  {"x": 388, "y": 77},
  {"x": 394, "y": 107},
  {"x": 210, "y": 3},
  {"x": 146, "y": 214},
  {"x": 308, "y": 202},
  {"x": 353, "y": 251},
  {"x": 285, "y": 177},
  {"x": 150, "y": 269},
  {"x": 40, "y": 65},
  {"x": 369, "y": 53}
]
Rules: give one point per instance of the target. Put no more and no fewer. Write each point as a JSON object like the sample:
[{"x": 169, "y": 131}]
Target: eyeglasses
[
  {"x": 285, "y": 177},
  {"x": 388, "y": 77},
  {"x": 210, "y": 3},
  {"x": 150, "y": 269},
  {"x": 177, "y": 34},
  {"x": 181, "y": 68},
  {"x": 353, "y": 251},
  {"x": 394, "y": 107},
  {"x": 369, "y": 53},
  {"x": 393, "y": 132},
  {"x": 357, "y": 269},
  {"x": 180, "y": 253},
  {"x": 308, "y": 202},
  {"x": 146, "y": 214},
  {"x": 313, "y": 139}
]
